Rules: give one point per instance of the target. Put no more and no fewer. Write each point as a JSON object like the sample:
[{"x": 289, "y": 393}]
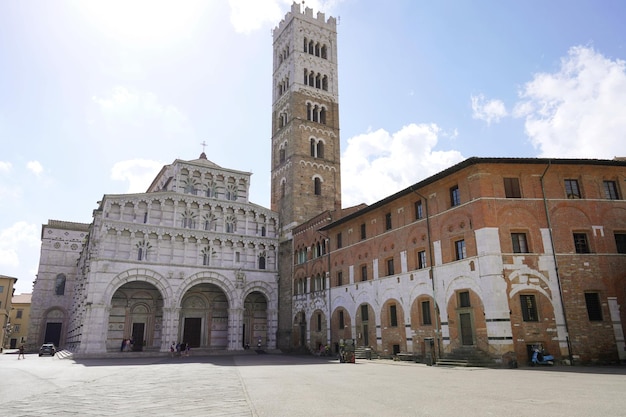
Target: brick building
[{"x": 492, "y": 254}]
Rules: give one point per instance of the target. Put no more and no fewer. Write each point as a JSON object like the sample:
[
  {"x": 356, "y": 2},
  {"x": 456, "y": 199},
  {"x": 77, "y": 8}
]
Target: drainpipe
[
  {"x": 556, "y": 264},
  {"x": 431, "y": 273}
]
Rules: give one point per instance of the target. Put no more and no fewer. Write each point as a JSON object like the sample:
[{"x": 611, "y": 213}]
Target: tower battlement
[{"x": 307, "y": 14}]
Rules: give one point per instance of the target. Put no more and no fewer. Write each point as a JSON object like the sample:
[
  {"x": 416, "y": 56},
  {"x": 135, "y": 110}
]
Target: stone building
[
  {"x": 493, "y": 255},
  {"x": 20, "y": 319},
  {"x": 6, "y": 293},
  {"x": 191, "y": 260}
]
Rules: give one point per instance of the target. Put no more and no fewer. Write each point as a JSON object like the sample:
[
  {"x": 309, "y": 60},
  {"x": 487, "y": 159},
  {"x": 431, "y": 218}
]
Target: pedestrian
[
  {"x": 187, "y": 349},
  {"x": 21, "y": 353},
  {"x": 123, "y": 345},
  {"x": 172, "y": 349}
]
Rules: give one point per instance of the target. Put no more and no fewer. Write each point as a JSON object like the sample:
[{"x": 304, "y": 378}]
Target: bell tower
[{"x": 306, "y": 174}]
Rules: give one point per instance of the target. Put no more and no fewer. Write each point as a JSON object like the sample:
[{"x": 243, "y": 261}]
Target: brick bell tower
[{"x": 306, "y": 174}]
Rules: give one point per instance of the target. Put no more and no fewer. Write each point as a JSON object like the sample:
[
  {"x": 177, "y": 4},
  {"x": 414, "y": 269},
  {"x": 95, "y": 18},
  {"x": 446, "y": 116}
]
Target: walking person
[{"x": 21, "y": 353}]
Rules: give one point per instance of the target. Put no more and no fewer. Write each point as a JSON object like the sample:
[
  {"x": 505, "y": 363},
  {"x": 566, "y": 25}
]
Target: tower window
[
  {"x": 59, "y": 285},
  {"x": 339, "y": 240},
  {"x": 620, "y": 242},
  {"x": 317, "y": 186},
  {"x": 363, "y": 272},
  {"x": 363, "y": 231}
]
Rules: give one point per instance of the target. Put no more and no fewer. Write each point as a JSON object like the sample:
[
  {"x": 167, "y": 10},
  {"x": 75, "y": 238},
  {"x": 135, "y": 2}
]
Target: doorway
[
  {"x": 138, "y": 336},
  {"x": 53, "y": 333},
  {"x": 192, "y": 331},
  {"x": 467, "y": 336}
]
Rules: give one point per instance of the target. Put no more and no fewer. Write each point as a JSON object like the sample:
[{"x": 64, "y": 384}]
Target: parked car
[{"x": 47, "y": 349}]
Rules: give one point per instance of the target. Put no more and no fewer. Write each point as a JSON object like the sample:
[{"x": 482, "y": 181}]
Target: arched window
[
  {"x": 325, "y": 83},
  {"x": 262, "y": 261},
  {"x": 318, "y": 80},
  {"x": 320, "y": 149},
  {"x": 324, "y": 52},
  {"x": 309, "y": 111},
  {"x": 59, "y": 285},
  {"x": 281, "y": 155},
  {"x": 282, "y": 188},
  {"x": 312, "y": 79},
  {"x": 322, "y": 115},
  {"x": 306, "y": 42},
  {"x": 312, "y": 147},
  {"x": 317, "y": 186},
  {"x": 316, "y": 113},
  {"x": 311, "y": 47},
  {"x": 263, "y": 231},
  {"x": 306, "y": 76},
  {"x": 231, "y": 224}
]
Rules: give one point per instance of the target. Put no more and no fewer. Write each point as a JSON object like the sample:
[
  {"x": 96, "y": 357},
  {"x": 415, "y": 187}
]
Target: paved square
[{"x": 282, "y": 385}]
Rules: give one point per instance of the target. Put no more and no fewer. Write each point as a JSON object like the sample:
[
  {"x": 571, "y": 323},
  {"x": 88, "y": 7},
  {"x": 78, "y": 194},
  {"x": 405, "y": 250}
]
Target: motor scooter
[{"x": 541, "y": 357}]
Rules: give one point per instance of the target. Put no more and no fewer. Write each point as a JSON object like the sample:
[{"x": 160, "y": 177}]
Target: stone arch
[
  {"x": 206, "y": 277},
  {"x": 147, "y": 275}
]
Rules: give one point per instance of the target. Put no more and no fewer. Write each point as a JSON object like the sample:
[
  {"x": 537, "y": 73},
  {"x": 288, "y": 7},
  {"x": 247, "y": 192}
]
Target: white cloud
[
  {"x": 5, "y": 166},
  {"x": 489, "y": 111},
  {"x": 20, "y": 238},
  {"x": 140, "y": 109},
  {"x": 138, "y": 172},
  {"x": 579, "y": 110},
  {"x": 377, "y": 164},
  {"x": 35, "y": 167},
  {"x": 249, "y": 15}
]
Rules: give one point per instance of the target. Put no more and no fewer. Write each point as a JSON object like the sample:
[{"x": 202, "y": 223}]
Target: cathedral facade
[{"x": 191, "y": 261}]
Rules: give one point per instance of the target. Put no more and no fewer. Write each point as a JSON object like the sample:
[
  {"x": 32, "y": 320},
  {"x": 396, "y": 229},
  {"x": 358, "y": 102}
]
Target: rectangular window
[
  {"x": 419, "y": 210},
  {"x": 620, "y": 242},
  {"x": 364, "y": 273},
  {"x": 426, "y": 319},
  {"x": 364, "y": 313},
  {"x": 610, "y": 190},
  {"x": 455, "y": 196},
  {"x": 18, "y": 314},
  {"x": 393, "y": 316},
  {"x": 464, "y": 299},
  {"x": 390, "y": 270},
  {"x": 511, "y": 188},
  {"x": 339, "y": 241},
  {"x": 16, "y": 328},
  {"x": 1, "y": 288},
  {"x": 519, "y": 243},
  {"x": 339, "y": 278},
  {"x": 388, "y": 221},
  {"x": 571, "y": 189},
  {"x": 529, "y": 308},
  {"x": 363, "y": 231},
  {"x": 342, "y": 323},
  {"x": 581, "y": 244},
  {"x": 594, "y": 308},
  {"x": 459, "y": 247},
  {"x": 421, "y": 259}
]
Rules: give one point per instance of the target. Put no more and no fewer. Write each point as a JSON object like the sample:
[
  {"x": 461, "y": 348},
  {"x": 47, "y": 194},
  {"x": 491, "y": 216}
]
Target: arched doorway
[
  {"x": 204, "y": 317},
  {"x": 136, "y": 314},
  {"x": 255, "y": 321},
  {"x": 299, "y": 330}
]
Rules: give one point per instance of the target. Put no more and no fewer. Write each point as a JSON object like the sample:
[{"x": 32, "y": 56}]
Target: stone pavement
[{"x": 282, "y": 385}]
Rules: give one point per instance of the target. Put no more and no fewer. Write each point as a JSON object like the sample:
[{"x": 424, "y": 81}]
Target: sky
[{"x": 97, "y": 96}]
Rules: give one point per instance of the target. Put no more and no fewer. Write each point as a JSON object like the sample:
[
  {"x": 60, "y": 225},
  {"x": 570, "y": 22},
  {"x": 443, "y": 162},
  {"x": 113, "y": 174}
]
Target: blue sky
[{"x": 96, "y": 96}]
